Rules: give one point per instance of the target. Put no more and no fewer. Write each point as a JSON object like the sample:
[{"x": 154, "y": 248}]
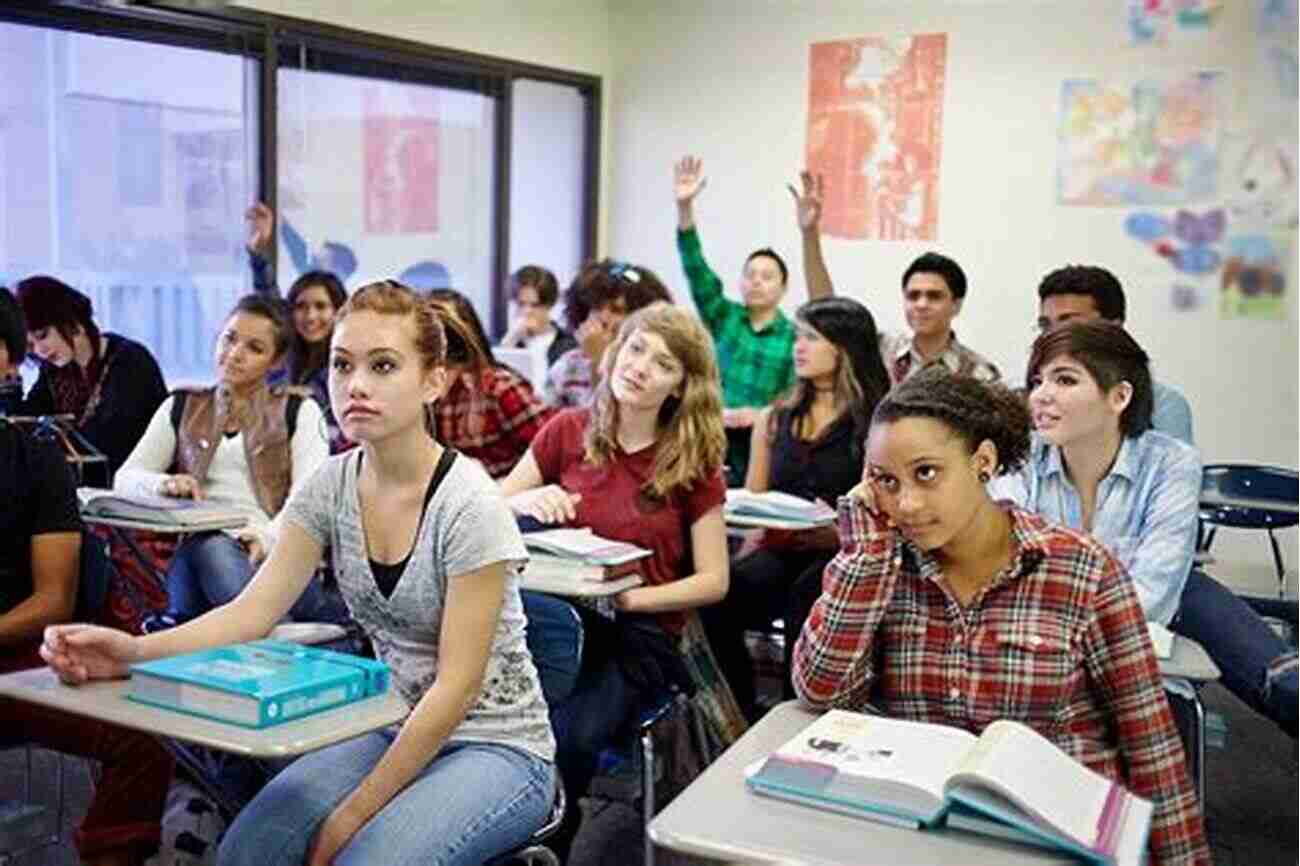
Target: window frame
[{"x": 270, "y": 39}]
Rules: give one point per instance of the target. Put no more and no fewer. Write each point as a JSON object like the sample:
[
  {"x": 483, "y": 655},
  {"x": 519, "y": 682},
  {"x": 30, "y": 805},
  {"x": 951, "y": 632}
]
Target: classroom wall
[{"x": 727, "y": 80}]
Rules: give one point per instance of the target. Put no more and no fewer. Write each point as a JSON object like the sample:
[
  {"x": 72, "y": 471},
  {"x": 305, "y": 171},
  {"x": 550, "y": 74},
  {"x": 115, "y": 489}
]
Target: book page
[
  {"x": 583, "y": 544},
  {"x": 1027, "y": 768},
  {"x": 914, "y": 754}
]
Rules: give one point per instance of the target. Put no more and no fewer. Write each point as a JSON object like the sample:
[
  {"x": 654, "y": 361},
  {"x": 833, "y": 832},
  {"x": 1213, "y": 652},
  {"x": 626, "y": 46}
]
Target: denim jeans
[
  {"x": 472, "y": 802},
  {"x": 1251, "y": 657},
  {"x": 211, "y": 568}
]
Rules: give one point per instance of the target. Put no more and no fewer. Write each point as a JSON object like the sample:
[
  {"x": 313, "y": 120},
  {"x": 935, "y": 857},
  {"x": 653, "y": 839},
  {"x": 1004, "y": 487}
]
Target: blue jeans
[
  {"x": 211, "y": 568},
  {"x": 1251, "y": 657},
  {"x": 472, "y": 802}
]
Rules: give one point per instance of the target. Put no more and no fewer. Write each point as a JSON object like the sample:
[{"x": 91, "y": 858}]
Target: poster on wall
[
  {"x": 1153, "y": 21},
  {"x": 875, "y": 112},
  {"x": 400, "y": 145},
  {"x": 1154, "y": 143}
]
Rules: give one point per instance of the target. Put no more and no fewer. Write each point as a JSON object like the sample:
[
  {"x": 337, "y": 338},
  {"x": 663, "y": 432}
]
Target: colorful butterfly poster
[
  {"x": 1152, "y": 21},
  {"x": 1253, "y": 284},
  {"x": 1188, "y": 240},
  {"x": 1152, "y": 143}
]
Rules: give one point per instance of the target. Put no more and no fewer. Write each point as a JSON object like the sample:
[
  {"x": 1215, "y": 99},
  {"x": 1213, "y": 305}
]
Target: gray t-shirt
[{"x": 467, "y": 525}]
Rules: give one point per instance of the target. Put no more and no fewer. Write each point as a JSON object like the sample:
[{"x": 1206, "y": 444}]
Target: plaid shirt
[
  {"x": 902, "y": 360},
  {"x": 494, "y": 422},
  {"x": 1057, "y": 641},
  {"x": 757, "y": 366}
]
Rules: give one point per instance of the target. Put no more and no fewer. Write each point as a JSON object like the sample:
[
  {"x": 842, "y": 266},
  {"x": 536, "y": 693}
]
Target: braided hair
[{"x": 972, "y": 409}]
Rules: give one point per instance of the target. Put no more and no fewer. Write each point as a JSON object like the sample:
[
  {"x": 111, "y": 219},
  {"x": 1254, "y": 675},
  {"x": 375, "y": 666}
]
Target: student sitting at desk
[
  {"x": 945, "y": 606},
  {"x": 1096, "y": 465},
  {"x": 427, "y": 557},
  {"x": 40, "y": 550},
  {"x": 534, "y": 291},
  {"x": 109, "y": 384},
  {"x": 489, "y": 412},
  {"x": 240, "y": 442},
  {"x": 642, "y": 465},
  {"x": 809, "y": 446},
  {"x": 600, "y": 297}
]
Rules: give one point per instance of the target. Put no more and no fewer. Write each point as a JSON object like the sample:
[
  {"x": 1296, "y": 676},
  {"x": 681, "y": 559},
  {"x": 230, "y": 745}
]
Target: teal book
[
  {"x": 1009, "y": 782},
  {"x": 258, "y": 684}
]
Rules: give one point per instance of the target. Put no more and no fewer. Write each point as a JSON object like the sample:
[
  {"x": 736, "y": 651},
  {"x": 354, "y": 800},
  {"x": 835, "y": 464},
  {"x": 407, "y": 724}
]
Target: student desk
[
  {"x": 106, "y": 701},
  {"x": 719, "y": 818}
]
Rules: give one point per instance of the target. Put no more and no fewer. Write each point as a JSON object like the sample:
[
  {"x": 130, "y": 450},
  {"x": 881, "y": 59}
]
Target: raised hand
[
  {"x": 688, "y": 179},
  {"x": 79, "y": 653},
  {"x": 261, "y": 226},
  {"x": 808, "y": 203}
]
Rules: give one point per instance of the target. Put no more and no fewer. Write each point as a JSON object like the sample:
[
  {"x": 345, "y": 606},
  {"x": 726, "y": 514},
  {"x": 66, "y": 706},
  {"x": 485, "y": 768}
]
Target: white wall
[{"x": 727, "y": 80}]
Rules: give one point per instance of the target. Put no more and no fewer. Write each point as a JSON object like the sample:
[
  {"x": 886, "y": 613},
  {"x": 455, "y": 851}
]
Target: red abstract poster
[
  {"x": 875, "y": 112},
  {"x": 400, "y": 140}
]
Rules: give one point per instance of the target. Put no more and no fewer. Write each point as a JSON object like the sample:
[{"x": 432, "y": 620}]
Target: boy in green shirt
[{"x": 754, "y": 340}]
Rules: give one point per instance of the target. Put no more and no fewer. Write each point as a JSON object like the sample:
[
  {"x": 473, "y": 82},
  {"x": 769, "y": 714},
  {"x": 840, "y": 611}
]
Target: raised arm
[
  {"x": 706, "y": 287},
  {"x": 1122, "y": 665},
  {"x": 261, "y": 237},
  {"x": 832, "y": 664},
  {"x": 808, "y": 213}
]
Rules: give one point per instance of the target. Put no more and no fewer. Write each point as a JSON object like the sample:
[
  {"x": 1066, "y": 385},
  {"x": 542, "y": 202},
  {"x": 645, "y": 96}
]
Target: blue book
[
  {"x": 256, "y": 685},
  {"x": 1010, "y": 782}
]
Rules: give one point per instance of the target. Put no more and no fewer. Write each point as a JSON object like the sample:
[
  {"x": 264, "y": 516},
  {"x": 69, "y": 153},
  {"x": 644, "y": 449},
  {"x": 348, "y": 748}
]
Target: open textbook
[
  {"x": 1010, "y": 781},
  {"x": 775, "y": 510},
  {"x": 187, "y": 514}
]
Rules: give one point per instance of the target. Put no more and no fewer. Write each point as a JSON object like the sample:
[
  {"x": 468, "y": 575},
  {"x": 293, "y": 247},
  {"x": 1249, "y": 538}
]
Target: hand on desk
[
  {"x": 79, "y": 652},
  {"x": 549, "y": 504},
  {"x": 181, "y": 487}
]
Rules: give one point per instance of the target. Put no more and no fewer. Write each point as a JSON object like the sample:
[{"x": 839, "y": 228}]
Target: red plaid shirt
[
  {"x": 1056, "y": 641},
  {"x": 494, "y": 422}
]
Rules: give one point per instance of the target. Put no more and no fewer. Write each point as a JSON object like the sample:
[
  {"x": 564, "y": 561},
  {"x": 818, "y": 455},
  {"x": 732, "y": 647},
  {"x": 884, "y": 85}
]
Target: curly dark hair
[
  {"x": 601, "y": 283},
  {"x": 972, "y": 409}
]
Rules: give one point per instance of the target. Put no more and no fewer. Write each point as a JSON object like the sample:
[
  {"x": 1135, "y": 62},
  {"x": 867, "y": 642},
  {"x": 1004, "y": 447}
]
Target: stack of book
[
  {"x": 579, "y": 562},
  {"x": 257, "y": 684},
  {"x": 187, "y": 514},
  {"x": 1009, "y": 782},
  {"x": 774, "y": 510}
]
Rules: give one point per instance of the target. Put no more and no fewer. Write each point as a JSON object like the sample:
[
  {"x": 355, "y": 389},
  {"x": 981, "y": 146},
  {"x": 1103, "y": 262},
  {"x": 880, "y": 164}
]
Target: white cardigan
[{"x": 229, "y": 480}]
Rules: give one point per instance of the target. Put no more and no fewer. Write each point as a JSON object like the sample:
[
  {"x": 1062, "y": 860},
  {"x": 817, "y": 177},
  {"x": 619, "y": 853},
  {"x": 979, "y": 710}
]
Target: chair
[{"x": 1245, "y": 496}]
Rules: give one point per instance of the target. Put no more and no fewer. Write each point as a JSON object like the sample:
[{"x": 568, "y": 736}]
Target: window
[{"x": 129, "y": 185}]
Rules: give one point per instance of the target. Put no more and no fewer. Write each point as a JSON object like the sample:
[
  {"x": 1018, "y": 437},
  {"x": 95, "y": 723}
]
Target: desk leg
[{"x": 1200, "y": 746}]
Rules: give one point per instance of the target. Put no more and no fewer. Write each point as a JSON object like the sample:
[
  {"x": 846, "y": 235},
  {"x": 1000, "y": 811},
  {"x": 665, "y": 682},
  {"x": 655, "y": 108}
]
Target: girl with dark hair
[
  {"x": 427, "y": 557},
  {"x": 810, "y": 446},
  {"x": 534, "y": 292},
  {"x": 642, "y": 464},
  {"x": 242, "y": 442},
  {"x": 489, "y": 412},
  {"x": 314, "y": 299},
  {"x": 109, "y": 384},
  {"x": 1098, "y": 467},
  {"x": 947, "y": 607}
]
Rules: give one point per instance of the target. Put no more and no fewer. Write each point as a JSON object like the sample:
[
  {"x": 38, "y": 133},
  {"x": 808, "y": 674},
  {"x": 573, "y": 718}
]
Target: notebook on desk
[{"x": 187, "y": 514}]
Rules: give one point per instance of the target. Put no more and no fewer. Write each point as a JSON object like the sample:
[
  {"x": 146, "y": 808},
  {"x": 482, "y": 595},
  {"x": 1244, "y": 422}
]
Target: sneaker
[{"x": 191, "y": 828}]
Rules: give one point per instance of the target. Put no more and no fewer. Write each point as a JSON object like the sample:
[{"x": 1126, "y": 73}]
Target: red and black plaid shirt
[
  {"x": 1057, "y": 641},
  {"x": 493, "y": 421}
]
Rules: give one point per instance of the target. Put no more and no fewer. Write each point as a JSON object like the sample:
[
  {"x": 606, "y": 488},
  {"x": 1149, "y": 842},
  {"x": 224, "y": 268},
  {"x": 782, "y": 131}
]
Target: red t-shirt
[{"x": 614, "y": 507}]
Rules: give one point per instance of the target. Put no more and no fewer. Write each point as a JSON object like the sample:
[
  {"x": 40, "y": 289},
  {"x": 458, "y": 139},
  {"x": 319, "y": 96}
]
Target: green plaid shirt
[{"x": 757, "y": 366}]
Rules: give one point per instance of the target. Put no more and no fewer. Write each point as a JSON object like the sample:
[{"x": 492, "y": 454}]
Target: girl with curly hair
[{"x": 948, "y": 607}]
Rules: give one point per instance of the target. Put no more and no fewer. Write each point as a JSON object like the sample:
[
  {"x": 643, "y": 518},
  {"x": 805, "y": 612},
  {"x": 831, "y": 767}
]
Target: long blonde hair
[{"x": 691, "y": 439}]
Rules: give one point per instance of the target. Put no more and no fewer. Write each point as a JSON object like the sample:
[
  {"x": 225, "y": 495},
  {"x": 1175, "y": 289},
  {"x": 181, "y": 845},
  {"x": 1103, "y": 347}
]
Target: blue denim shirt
[
  {"x": 1171, "y": 414},
  {"x": 1145, "y": 515}
]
